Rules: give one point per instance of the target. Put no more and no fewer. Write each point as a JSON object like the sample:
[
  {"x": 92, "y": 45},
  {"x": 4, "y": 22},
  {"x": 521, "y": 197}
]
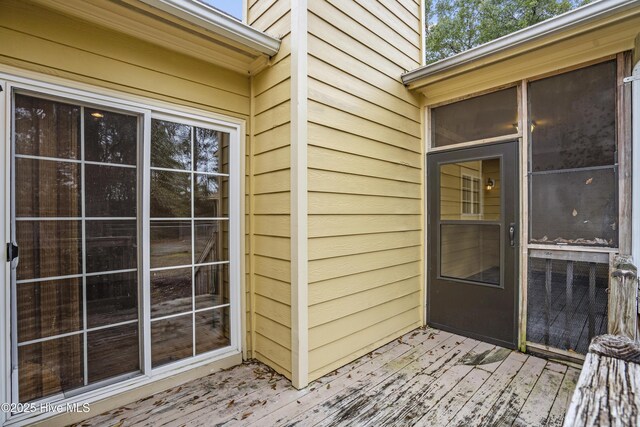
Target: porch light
[
  {"x": 490, "y": 184},
  {"x": 97, "y": 115}
]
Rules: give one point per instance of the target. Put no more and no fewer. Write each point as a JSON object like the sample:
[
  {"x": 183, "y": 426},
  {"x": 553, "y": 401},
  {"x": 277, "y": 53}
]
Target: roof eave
[
  {"x": 583, "y": 15},
  {"x": 219, "y": 23}
]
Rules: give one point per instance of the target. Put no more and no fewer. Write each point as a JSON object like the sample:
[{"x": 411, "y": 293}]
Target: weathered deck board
[
  {"x": 427, "y": 377},
  {"x": 482, "y": 401},
  {"x": 378, "y": 368},
  {"x": 508, "y": 406},
  {"x": 560, "y": 405},
  {"x": 378, "y": 405},
  {"x": 537, "y": 407}
]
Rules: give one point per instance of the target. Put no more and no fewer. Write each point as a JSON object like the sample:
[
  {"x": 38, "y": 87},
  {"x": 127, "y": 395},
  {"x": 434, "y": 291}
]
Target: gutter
[
  {"x": 566, "y": 21},
  {"x": 219, "y": 23}
]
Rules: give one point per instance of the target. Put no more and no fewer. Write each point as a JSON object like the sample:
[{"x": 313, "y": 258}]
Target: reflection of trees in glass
[
  {"x": 170, "y": 145},
  {"x": 207, "y": 196},
  {"x": 207, "y": 144},
  {"x": 110, "y": 137},
  {"x": 170, "y": 194},
  {"x": 170, "y": 148}
]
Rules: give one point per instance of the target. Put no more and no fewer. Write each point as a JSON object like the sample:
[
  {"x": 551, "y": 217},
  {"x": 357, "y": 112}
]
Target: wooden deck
[{"x": 427, "y": 378}]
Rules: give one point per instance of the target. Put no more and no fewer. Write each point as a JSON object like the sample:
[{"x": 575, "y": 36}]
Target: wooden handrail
[{"x": 607, "y": 391}]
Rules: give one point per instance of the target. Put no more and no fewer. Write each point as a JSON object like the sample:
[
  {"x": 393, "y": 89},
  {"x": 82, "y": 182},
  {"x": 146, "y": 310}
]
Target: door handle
[
  {"x": 12, "y": 254},
  {"x": 512, "y": 234}
]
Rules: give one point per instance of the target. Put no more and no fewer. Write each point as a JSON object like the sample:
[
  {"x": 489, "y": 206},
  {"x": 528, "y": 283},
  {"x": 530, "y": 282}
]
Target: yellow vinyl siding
[
  {"x": 364, "y": 179},
  {"x": 341, "y": 225},
  {"x": 491, "y": 198},
  {"x": 385, "y": 326},
  {"x": 340, "y": 287},
  {"x": 271, "y": 171}
]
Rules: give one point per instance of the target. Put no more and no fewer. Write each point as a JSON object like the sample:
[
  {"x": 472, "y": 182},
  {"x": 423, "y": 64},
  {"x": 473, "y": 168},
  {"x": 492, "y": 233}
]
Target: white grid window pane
[{"x": 189, "y": 256}]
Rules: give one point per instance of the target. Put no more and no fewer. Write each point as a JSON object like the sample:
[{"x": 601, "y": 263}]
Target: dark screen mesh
[
  {"x": 566, "y": 303},
  {"x": 480, "y": 117},
  {"x": 574, "y": 198}
]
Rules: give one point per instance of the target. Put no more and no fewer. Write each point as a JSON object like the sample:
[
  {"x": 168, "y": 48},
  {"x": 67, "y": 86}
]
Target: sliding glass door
[
  {"x": 79, "y": 288},
  {"x": 76, "y": 225}
]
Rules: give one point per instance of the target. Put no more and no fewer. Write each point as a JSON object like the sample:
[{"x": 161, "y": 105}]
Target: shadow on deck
[{"x": 427, "y": 377}]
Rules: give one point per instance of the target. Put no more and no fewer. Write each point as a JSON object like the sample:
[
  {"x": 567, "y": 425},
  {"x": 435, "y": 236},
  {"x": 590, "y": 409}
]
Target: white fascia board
[
  {"x": 219, "y": 23},
  {"x": 585, "y": 14}
]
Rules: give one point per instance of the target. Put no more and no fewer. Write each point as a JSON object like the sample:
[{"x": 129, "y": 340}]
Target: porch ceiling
[
  {"x": 427, "y": 377},
  {"x": 185, "y": 26},
  {"x": 589, "y": 33}
]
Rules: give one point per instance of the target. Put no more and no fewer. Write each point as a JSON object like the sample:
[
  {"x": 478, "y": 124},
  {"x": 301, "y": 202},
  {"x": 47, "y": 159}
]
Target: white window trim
[
  {"x": 472, "y": 178},
  {"x": 13, "y": 78}
]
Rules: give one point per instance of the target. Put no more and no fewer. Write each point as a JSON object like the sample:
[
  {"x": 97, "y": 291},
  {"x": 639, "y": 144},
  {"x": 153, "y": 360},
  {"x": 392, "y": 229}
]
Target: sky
[{"x": 232, "y": 7}]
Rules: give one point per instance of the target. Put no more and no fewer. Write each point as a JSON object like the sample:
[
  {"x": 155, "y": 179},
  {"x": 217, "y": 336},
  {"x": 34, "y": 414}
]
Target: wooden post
[
  {"x": 547, "y": 300},
  {"x": 592, "y": 300},
  {"x": 623, "y": 297},
  {"x": 568, "y": 305}
]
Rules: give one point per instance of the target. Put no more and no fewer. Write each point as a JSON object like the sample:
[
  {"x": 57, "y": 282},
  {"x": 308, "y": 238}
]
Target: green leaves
[{"x": 454, "y": 26}]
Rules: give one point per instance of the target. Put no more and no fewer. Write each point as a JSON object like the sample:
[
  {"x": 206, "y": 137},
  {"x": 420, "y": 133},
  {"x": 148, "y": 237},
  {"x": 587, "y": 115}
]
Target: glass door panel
[
  {"x": 188, "y": 241},
  {"x": 470, "y": 206},
  {"x": 75, "y": 221}
]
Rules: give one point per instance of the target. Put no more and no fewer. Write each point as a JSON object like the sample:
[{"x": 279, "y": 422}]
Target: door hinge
[
  {"x": 631, "y": 79},
  {"x": 12, "y": 251}
]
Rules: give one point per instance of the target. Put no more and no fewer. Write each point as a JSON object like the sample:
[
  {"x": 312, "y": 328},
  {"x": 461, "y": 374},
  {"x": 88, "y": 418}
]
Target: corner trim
[{"x": 299, "y": 206}]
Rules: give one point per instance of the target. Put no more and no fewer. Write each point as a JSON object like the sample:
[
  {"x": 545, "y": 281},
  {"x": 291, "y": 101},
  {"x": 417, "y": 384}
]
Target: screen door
[{"x": 473, "y": 218}]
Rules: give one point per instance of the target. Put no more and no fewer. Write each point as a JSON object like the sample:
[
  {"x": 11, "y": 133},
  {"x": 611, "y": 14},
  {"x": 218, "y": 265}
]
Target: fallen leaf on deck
[
  {"x": 589, "y": 181},
  {"x": 574, "y": 213}
]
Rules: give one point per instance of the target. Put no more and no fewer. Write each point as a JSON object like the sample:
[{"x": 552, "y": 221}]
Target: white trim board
[
  {"x": 299, "y": 205},
  {"x": 5, "y": 227}
]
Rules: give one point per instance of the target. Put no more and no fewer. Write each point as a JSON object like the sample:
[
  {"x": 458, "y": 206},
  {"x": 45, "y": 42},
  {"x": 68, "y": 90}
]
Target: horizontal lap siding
[
  {"x": 41, "y": 40},
  {"x": 364, "y": 179},
  {"x": 271, "y": 157}
]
